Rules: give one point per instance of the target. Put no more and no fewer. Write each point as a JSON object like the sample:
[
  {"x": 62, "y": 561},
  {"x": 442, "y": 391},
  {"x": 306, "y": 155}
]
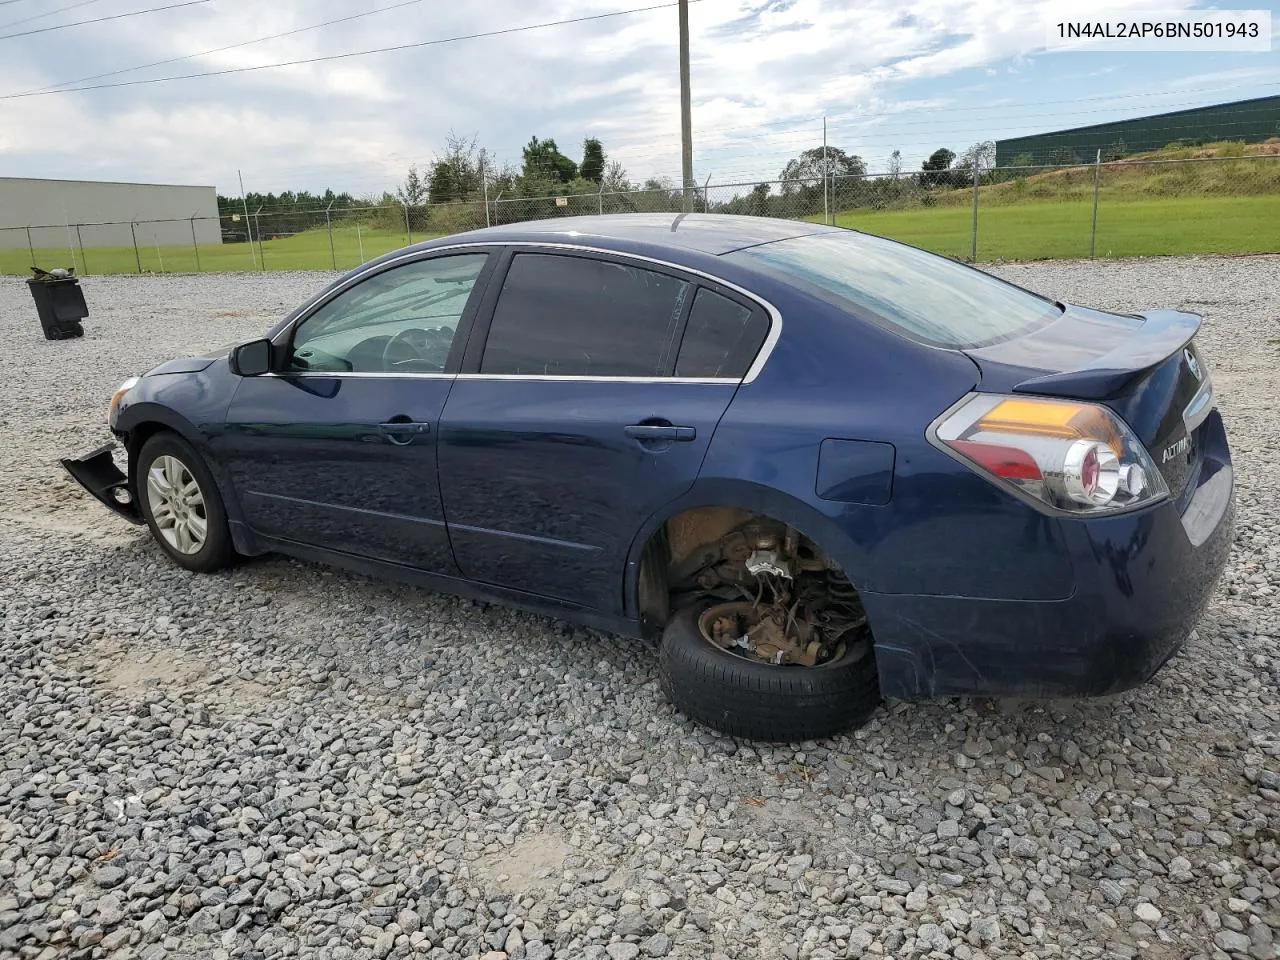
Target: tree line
[{"x": 463, "y": 185}]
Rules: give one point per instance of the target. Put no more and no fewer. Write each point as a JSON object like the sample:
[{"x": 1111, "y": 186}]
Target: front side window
[
  {"x": 402, "y": 320},
  {"x": 920, "y": 294},
  {"x": 575, "y": 316},
  {"x": 721, "y": 338}
]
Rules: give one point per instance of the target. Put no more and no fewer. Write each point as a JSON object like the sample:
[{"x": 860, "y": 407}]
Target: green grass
[
  {"x": 1037, "y": 231},
  {"x": 303, "y": 251},
  {"x": 1026, "y": 231}
]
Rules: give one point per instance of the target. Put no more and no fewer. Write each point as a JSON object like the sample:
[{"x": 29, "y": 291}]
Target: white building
[{"x": 51, "y": 210}]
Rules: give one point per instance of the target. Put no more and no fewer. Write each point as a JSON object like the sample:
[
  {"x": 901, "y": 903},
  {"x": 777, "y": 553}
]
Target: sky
[{"x": 911, "y": 75}]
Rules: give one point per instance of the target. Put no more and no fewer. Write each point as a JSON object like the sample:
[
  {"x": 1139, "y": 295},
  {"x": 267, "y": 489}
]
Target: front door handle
[
  {"x": 660, "y": 431},
  {"x": 403, "y": 432}
]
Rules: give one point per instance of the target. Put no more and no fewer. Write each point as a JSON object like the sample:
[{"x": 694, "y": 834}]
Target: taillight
[{"x": 1077, "y": 457}]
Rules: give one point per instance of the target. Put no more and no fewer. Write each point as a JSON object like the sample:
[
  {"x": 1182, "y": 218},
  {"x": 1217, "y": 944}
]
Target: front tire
[
  {"x": 181, "y": 504},
  {"x": 760, "y": 701}
]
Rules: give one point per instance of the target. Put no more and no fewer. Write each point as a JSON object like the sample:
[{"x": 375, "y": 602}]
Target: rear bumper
[
  {"x": 1142, "y": 582},
  {"x": 97, "y": 473}
]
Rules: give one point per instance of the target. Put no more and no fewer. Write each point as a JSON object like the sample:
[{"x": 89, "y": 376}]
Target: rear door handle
[{"x": 654, "y": 431}]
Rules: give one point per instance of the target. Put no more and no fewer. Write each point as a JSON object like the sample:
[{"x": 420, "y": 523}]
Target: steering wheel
[{"x": 415, "y": 348}]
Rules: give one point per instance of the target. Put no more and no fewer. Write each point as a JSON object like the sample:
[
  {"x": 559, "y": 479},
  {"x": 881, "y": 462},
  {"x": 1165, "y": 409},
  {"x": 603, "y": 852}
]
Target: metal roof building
[{"x": 1249, "y": 120}]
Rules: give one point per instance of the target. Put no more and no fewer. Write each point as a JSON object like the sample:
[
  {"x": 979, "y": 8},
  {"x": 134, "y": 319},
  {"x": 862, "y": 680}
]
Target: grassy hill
[
  {"x": 1227, "y": 204},
  {"x": 1224, "y": 170}
]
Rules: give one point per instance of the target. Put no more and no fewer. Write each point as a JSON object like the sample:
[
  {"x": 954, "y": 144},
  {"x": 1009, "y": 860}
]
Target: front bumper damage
[{"x": 97, "y": 473}]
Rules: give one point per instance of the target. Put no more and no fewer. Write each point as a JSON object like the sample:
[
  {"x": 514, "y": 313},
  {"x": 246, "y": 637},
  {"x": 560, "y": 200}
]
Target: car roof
[{"x": 712, "y": 234}]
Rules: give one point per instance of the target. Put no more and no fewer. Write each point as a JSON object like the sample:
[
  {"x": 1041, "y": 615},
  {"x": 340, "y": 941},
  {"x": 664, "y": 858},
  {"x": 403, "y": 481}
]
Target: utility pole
[
  {"x": 826, "y": 174},
  {"x": 247, "y": 227},
  {"x": 686, "y": 111}
]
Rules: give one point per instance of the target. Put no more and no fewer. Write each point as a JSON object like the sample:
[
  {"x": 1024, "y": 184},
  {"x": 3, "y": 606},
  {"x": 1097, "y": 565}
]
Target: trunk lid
[{"x": 1144, "y": 367}]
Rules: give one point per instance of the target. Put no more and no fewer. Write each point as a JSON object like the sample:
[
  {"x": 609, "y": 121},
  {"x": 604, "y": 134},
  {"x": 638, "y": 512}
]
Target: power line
[
  {"x": 47, "y": 13},
  {"x": 231, "y": 46},
  {"x": 114, "y": 16},
  {"x": 345, "y": 56}
]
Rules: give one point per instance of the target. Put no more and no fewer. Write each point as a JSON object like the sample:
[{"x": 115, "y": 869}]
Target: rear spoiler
[{"x": 1163, "y": 333}]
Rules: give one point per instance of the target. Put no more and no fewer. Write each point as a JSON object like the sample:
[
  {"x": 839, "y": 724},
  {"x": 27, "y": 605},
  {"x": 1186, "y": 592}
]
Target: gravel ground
[{"x": 289, "y": 761}]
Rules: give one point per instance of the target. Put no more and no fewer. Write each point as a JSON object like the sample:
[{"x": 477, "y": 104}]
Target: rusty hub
[{"x": 766, "y": 633}]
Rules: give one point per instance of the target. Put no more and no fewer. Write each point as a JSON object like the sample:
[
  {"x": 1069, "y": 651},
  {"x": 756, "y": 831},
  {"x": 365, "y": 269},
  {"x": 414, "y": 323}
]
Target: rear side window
[
  {"x": 922, "y": 295},
  {"x": 721, "y": 339},
  {"x": 574, "y": 316}
]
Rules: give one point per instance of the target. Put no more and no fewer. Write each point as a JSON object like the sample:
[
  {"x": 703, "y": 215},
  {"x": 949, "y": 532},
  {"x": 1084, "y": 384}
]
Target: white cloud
[{"x": 764, "y": 72}]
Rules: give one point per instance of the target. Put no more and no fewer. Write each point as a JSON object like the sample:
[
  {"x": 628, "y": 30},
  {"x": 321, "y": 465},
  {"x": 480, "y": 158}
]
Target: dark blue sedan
[{"x": 823, "y": 466}]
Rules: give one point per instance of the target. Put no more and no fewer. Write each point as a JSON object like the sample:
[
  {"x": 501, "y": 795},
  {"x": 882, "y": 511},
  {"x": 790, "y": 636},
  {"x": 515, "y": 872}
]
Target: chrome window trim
[
  {"x": 354, "y": 375},
  {"x": 757, "y": 365}
]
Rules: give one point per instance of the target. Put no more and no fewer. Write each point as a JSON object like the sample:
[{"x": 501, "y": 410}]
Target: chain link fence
[{"x": 1219, "y": 204}]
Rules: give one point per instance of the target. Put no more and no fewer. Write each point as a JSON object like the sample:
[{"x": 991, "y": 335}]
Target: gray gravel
[{"x": 289, "y": 761}]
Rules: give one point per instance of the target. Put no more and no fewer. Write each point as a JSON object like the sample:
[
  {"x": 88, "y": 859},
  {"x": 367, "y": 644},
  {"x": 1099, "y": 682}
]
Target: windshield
[{"x": 922, "y": 295}]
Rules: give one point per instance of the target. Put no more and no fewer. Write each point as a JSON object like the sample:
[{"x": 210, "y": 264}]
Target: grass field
[
  {"x": 1038, "y": 231},
  {"x": 303, "y": 251},
  {"x": 1026, "y": 231}
]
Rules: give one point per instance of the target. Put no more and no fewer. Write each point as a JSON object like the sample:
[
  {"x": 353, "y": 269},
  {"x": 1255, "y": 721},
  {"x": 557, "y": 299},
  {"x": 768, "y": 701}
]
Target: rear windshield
[{"x": 924, "y": 296}]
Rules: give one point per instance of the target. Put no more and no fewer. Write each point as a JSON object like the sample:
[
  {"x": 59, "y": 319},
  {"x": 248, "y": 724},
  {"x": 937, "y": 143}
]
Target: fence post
[
  {"x": 973, "y": 248},
  {"x": 195, "y": 247},
  {"x": 30, "y": 247},
  {"x": 262, "y": 251},
  {"x": 706, "y": 195},
  {"x": 600, "y": 198},
  {"x": 1093, "y": 231},
  {"x": 484, "y": 184},
  {"x": 333, "y": 257},
  {"x": 137, "y": 257},
  {"x": 408, "y": 229},
  {"x": 360, "y": 242},
  {"x": 84, "y": 261}
]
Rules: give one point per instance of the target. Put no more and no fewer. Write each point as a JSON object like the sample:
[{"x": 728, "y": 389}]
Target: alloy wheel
[{"x": 177, "y": 504}]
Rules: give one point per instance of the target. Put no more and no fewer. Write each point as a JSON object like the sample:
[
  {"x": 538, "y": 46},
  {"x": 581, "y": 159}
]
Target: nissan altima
[{"x": 823, "y": 467}]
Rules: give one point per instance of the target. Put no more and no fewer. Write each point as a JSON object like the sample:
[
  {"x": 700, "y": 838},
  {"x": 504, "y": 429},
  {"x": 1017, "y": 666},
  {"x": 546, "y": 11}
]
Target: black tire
[
  {"x": 758, "y": 701},
  {"x": 217, "y": 551}
]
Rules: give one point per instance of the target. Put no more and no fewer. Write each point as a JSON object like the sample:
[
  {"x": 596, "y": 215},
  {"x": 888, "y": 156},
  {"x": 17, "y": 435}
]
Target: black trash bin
[{"x": 59, "y": 303}]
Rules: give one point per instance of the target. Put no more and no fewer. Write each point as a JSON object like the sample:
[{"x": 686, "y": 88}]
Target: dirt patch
[
  {"x": 129, "y": 671},
  {"x": 96, "y": 522},
  {"x": 530, "y": 863},
  {"x": 140, "y": 670}
]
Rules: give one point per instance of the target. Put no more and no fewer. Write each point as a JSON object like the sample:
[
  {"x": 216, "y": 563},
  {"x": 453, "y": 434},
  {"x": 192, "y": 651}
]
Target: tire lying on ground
[{"x": 760, "y": 701}]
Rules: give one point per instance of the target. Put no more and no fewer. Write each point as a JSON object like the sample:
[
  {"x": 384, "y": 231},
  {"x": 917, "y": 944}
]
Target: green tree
[
  {"x": 592, "y": 160},
  {"x": 936, "y": 171},
  {"x": 1117, "y": 151},
  {"x": 413, "y": 192},
  {"x": 455, "y": 174},
  {"x": 816, "y": 161},
  {"x": 615, "y": 178},
  {"x": 543, "y": 161},
  {"x": 1063, "y": 156}
]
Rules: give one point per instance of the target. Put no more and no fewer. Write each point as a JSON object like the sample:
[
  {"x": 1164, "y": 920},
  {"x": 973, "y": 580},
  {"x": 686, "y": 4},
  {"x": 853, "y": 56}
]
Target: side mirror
[{"x": 251, "y": 359}]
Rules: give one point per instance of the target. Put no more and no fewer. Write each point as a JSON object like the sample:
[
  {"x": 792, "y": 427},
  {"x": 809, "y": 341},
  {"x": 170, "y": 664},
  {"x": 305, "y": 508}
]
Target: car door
[
  {"x": 337, "y": 449},
  {"x": 570, "y": 426}
]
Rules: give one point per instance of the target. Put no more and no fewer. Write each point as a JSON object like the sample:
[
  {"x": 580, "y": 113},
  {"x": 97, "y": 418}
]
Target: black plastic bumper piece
[{"x": 97, "y": 472}]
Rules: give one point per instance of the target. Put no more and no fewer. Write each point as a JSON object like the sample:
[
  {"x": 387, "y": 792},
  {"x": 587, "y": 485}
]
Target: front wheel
[
  {"x": 181, "y": 505},
  {"x": 746, "y": 698}
]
